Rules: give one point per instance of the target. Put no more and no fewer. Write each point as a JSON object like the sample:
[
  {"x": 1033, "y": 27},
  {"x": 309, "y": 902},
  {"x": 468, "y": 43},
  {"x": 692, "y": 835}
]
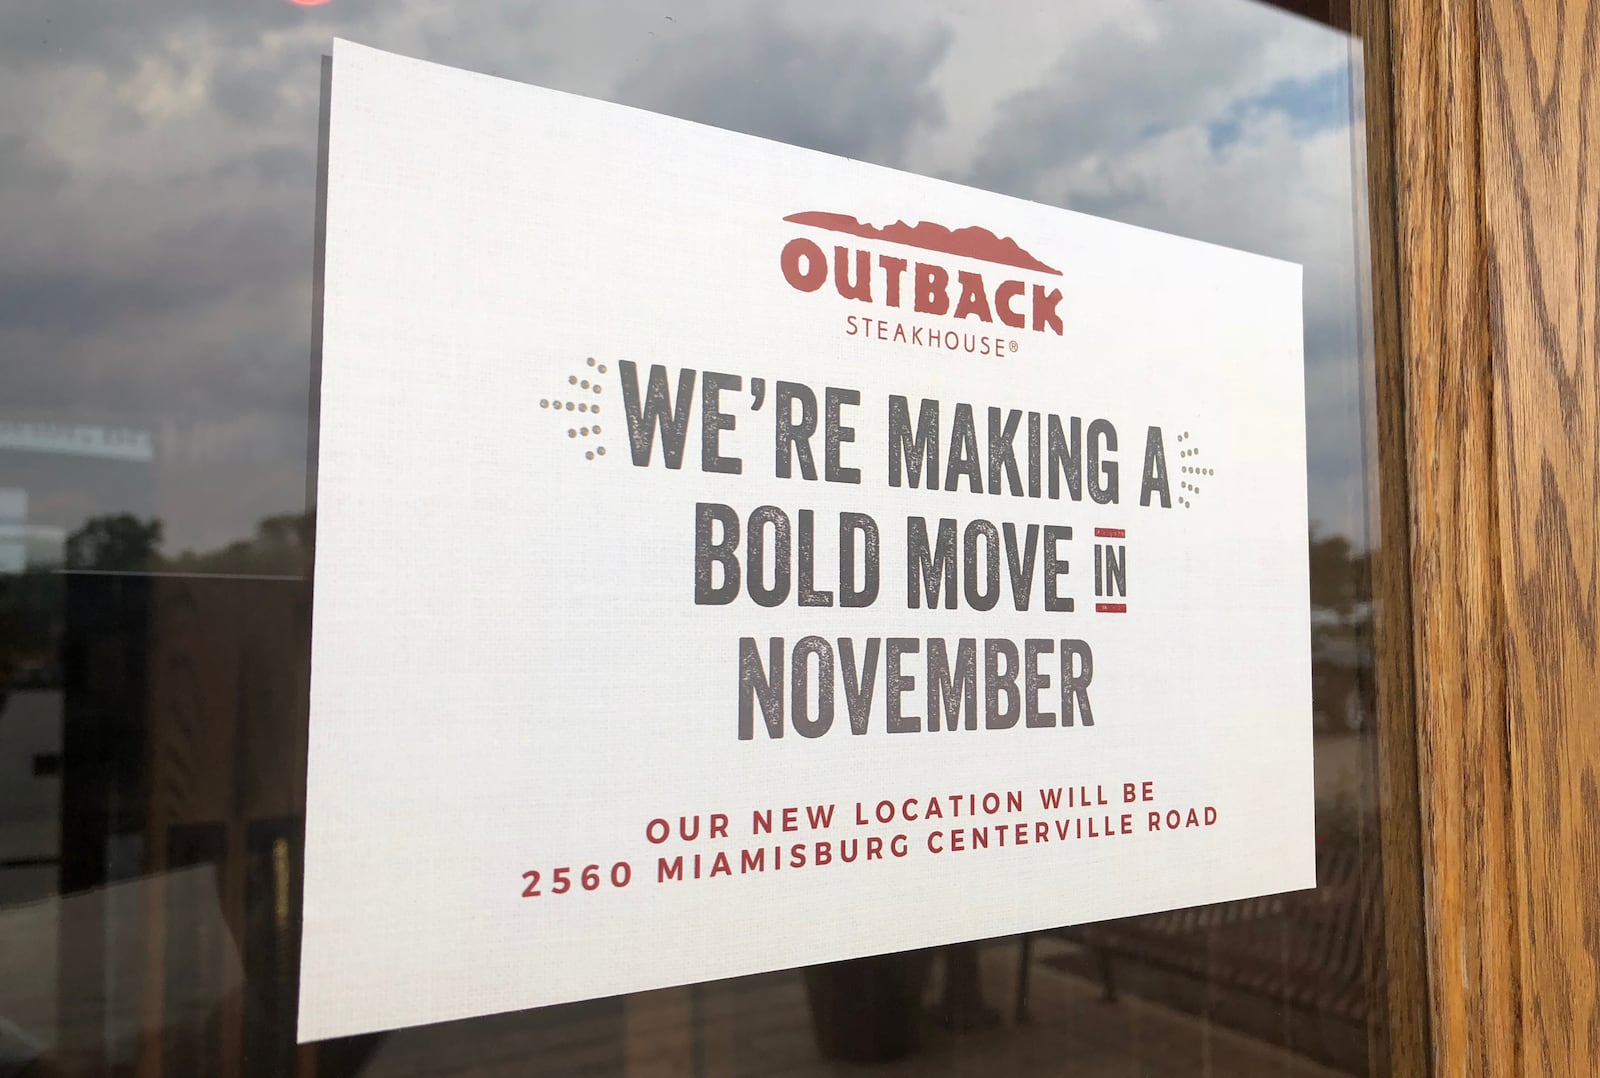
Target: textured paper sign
[{"x": 732, "y": 557}]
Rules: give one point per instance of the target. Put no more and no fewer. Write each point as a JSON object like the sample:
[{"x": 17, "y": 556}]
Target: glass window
[{"x": 158, "y": 190}]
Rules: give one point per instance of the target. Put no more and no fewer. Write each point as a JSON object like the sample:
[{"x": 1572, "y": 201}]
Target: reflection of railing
[{"x": 1305, "y": 949}]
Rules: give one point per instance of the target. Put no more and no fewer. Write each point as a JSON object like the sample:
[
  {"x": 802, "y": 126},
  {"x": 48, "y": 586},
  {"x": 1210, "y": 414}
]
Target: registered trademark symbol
[{"x": 1013, "y": 346}]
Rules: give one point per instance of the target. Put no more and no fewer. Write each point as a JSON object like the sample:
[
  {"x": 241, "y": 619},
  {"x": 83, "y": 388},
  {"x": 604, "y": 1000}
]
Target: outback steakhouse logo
[{"x": 925, "y": 286}]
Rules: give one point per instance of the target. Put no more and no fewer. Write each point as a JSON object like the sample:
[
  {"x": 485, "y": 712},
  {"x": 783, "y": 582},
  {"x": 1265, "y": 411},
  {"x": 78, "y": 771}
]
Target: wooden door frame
[{"x": 1480, "y": 120}]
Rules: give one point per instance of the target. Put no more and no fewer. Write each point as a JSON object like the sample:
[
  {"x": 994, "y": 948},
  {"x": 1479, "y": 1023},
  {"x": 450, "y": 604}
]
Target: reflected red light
[{"x": 308, "y": 3}]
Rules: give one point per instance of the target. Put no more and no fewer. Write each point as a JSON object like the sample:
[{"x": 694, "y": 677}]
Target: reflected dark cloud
[
  {"x": 856, "y": 92},
  {"x": 244, "y": 95},
  {"x": 27, "y": 171},
  {"x": 204, "y": 262},
  {"x": 271, "y": 167},
  {"x": 117, "y": 40}
]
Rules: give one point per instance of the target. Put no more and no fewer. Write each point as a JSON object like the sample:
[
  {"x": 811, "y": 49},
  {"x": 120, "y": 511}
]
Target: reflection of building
[
  {"x": 185, "y": 749},
  {"x": 23, "y": 544},
  {"x": 61, "y": 746},
  {"x": 52, "y": 475},
  {"x": 105, "y": 443},
  {"x": 76, "y": 470}
]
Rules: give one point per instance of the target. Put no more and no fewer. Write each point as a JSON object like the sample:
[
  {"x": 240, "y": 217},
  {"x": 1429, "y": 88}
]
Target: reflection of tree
[
  {"x": 119, "y": 541},
  {"x": 1338, "y": 574},
  {"x": 32, "y": 602},
  {"x": 281, "y": 546}
]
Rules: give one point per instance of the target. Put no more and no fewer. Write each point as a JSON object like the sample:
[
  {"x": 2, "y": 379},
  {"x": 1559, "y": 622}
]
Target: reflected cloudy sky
[{"x": 157, "y": 181}]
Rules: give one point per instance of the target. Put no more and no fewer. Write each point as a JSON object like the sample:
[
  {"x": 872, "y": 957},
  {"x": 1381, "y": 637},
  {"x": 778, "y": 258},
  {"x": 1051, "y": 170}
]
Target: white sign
[{"x": 732, "y": 557}]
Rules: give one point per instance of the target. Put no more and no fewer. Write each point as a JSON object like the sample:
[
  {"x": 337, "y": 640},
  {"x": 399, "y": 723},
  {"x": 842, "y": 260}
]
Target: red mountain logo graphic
[
  {"x": 875, "y": 269},
  {"x": 969, "y": 242}
]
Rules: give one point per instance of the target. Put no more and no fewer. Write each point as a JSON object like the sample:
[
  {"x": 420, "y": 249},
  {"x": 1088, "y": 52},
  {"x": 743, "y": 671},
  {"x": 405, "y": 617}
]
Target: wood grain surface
[
  {"x": 1458, "y": 617},
  {"x": 1541, "y": 176},
  {"x": 1496, "y": 181}
]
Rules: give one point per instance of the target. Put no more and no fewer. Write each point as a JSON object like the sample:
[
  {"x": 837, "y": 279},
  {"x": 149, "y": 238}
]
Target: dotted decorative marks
[
  {"x": 1193, "y": 469},
  {"x": 581, "y": 407}
]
